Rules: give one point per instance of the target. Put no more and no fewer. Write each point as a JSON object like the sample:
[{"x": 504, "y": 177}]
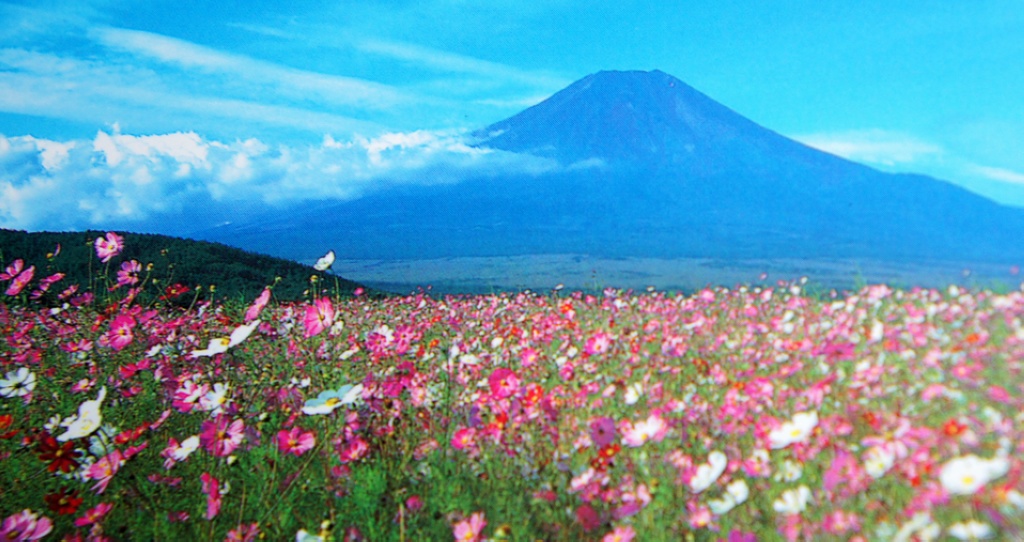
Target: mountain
[
  {"x": 650, "y": 167},
  {"x": 237, "y": 274}
]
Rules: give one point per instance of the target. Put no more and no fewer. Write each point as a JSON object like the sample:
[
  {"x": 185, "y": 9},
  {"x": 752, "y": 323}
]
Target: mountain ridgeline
[{"x": 650, "y": 167}]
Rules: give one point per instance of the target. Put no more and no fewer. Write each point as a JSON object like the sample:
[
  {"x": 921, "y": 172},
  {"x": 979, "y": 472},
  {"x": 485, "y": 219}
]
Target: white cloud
[
  {"x": 873, "y": 146},
  {"x": 998, "y": 174},
  {"x": 141, "y": 180}
]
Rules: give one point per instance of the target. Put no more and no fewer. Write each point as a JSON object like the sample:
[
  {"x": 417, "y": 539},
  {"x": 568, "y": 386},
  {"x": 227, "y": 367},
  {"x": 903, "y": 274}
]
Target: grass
[{"x": 506, "y": 416}]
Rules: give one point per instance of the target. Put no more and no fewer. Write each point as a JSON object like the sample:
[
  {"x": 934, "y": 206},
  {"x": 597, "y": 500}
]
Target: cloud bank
[
  {"x": 179, "y": 182},
  {"x": 874, "y": 146}
]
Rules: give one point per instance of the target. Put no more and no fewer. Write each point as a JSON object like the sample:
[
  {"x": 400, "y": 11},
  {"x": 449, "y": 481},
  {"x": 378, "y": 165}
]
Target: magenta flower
[
  {"x": 602, "y": 431},
  {"x": 211, "y": 487},
  {"x": 93, "y": 515},
  {"x": 120, "y": 334},
  {"x": 295, "y": 441},
  {"x": 25, "y": 525},
  {"x": 20, "y": 281},
  {"x": 258, "y": 305},
  {"x": 13, "y": 270},
  {"x": 504, "y": 383},
  {"x": 319, "y": 316},
  {"x": 653, "y": 428},
  {"x": 104, "y": 470},
  {"x": 128, "y": 275},
  {"x": 219, "y": 437},
  {"x": 107, "y": 248},
  {"x": 622, "y": 533},
  {"x": 469, "y": 530}
]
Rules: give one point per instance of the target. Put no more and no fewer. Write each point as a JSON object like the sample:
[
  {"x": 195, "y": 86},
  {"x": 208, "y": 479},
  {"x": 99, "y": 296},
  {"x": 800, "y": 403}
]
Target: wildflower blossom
[
  {"x": 797, "y": 430},
  {"x": 13, "y": 270},
  {"x": 93, "y": 515},
  {"x": 318, "y": 317},
  {"x": 471, "y": 529},
  {"x": 653, "y": 428},
  {"x": 708, "y": 472},
  {"x": 222, "y": 344},
  {"x": 258, "y": 305},
  {"x": 244, "y": 533},
  {"x": 878, "y": 460},
  {"x": 25, "y": 525},
  {"x": 622, "y": 533},
  {"x": 18, "y": 383},
  {"x": 20, "y": 281},
  {"x": 104, "y": 469},
  {"x": 88, "y": 419},
  {"x": 971, "y": 530},
  {"x": 966, "y": 475},
  {"x": 328, "y": 400},
  {"x": 221, "y": 437},
  {"x": 295, "y": 441},
  {"x": 602, "y": 431},
  {"x": 64, "y": 502},
  {"x": 120, "y": 334},
  {"x": 736, "y": 494},
  {"x": 176, "y": 453},
  {"x": 215, "y": 400},
  {"x": 62, "y": 457},
  {"x": 128, "y": 275},
  {"x": 108, "y": 247},
  {"x": 325, "y": 262},
  {"x": 793, "y": 501},
  {"x": 211, "y": 487}
]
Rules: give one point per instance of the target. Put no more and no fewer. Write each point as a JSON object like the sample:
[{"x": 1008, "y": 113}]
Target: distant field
[{"x": 543, "y": 272}]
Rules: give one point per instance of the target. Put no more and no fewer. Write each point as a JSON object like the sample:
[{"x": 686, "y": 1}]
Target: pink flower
[
  {"x": 219, "y": 437},
  {"x": 622, "y": 533},
  {"x": 258, "y": 305},
  {"x": 25, "y": 525},
  {"x": 93, "y": 515},
  {"x": 295, "y": 441},
  {"x": 469, "y": 530},
  {"x": 504, "y": 383},
  {"x": 22, "y": 280},
  {"x": 107, "y": 248},
  {"x": 653, "y": 428},
  {"x": 104, "y": 470},
  {"x": 463, "y": 438},
  {"x": 120, "y": 334},
  {"x": 13, "y": 270},
  {"x": 187, "y": 396},
  {"x": 319, "y": 316},
  {"x": 211, "y": 486},
  {"x": 602, "y": 431},
  {"x": 128, "y": 275},
  {"x": 244, "y": 533}
]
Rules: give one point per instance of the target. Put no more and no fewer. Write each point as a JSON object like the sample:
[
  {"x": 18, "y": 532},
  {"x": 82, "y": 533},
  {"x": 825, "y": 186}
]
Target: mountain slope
[
  {"x": 235, "y": 273},
  {"x": 654, "y": 168}
]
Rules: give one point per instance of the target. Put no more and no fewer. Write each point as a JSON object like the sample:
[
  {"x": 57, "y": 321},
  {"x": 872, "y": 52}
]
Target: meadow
[{"x": 737, "y": 414}]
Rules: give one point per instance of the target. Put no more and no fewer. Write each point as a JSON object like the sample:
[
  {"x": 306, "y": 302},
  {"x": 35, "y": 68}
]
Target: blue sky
[{"x": 128, "y": 114}]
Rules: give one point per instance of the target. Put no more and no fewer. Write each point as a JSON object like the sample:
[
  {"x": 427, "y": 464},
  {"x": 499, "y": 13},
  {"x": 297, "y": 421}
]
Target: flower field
[{"x": 730, "y": 414}]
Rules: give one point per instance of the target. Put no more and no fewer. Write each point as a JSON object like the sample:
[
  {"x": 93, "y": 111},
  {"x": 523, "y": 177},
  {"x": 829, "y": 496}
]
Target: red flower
[
  {"x": 61, "y": 456},
  {"x": 173, "y": 291},
  {"x": 64, "y": 502}
]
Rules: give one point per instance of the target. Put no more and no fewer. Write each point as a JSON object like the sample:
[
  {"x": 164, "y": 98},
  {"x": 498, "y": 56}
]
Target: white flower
[
  {"x": 878, "y": 461},
  {"x": 328, "y": 400},
  {"x": 18, "y": 383},
  {"x": 797, "y": 430},
  {"x": 709, "y": 472},
  {"x": 88, "y": 420},
  {"x": 186, "y": 448},
  {"x": 793, "y": 501},
  {"x": 970, "y": 530},
  {"x": 921, "y": 527},
  {"x": 736, "y": 493},
  {"x": 633, "y": 393},
  {"x": 215, "y": 399},
  {"x": 222, "y": 344},
  {"x": 791, "y": 471},
  {"x": 966, "y": 475},
  {"x": 325, "y": 262}
]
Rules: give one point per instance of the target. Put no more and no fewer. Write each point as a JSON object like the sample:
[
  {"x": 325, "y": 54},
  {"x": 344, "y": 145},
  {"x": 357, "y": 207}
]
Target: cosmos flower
[
  {"x": 736, "y": 494},
  {"x": 971, "y": 530},
  {"x": 108, "y": 247},
  {"x": 325, "y": 262},
  {"x": 708, "y": 472},
  {"x": 967, "y": 474},
  {"x": 18, "y": 383},
  {"x": 88, "y": 419},
  {"x": 470, "y": 529},
  {"x": 328, "y": 400},
  {"x": 793, "y": 501},
  {"x": 25, "y": 525},
  {"x": 797, "y": 430},
  {"x": 222, "y": 344},
  {"x": 318, "y": 317}
]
